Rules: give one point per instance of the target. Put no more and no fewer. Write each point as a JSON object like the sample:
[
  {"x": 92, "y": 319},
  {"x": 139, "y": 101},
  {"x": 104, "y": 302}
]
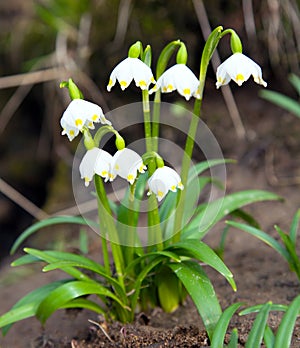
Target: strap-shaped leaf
[
  {"x": 199, "y": 287},
  {"x": 202, "y": 252},
  {"x": 264, "y": 237},
  {"x": 51, "y": 256},
  {"x": 65, "y": 293},
  {"x": 283, "y": 101},
  {"x": 169, "y": 203},
  {"x": 25, "y": 260},
  {"x": 257, "y": 308},
  {"x": 84, "y": 303},
  {"x": 152, "y": 255},
  {"x": 50, "y": 222},
  {"x": 222, "y": 325},
  {"x": 294, "y": 227},
  {"x": 27, "y": 306},
  {"x": 234, "y": 337},
  {"x": 269, "y": 337},
  {"x": 142, "y": 275},
  {"x": 286, "y": 327},
  {"x": 216, "y": 210},
  {"x": 257, "y": 331},
  {"x": 295, "y": 81},
  {"x": 112, "y": 281}
]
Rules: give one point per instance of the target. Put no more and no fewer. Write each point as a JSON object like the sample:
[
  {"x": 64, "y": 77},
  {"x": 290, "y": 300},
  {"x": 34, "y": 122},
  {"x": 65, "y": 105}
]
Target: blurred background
[{"x": 43, "y": 42}]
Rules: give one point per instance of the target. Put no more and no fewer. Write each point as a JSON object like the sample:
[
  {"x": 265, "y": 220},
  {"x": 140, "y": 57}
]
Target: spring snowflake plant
[{"x": 132, "y": 277}]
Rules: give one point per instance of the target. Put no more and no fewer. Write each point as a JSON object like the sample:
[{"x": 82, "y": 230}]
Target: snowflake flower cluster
[{"x": 126, "y": 163}]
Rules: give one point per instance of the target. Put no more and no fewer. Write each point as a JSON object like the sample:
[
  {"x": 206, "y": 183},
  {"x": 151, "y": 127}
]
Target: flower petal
[
  {"x": 87, "y": 165},
  {"x": 127, "y": 163},
  {"x": 129, "y": 69},
  {"x": 103, "y": 164},
  {"x": 179, "y": 77},
  {"x": 239, "y": 68},
  {"x": 81, "y": 113},
  {"x": 164, "y": 179}
]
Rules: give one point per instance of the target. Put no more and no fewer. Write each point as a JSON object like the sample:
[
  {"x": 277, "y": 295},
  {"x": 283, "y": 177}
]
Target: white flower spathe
[
  {"x": 162, "y": 181},
  {"x": 127, "y": 163},
  {"x": 238, "y": 68},
  {"x": 95, "y": 161},
  {"x": 179, "y": 77},
  {"x": 131, "y": 69},
  {"x": 81, "y": 113}
]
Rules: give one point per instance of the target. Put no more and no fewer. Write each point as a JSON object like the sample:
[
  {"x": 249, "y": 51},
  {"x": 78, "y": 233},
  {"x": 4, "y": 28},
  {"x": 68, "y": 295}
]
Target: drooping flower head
[
  {"x": 127, "y": 164},
  {"x": 81, "y": 113},
  {"x": 179, "y": 77},
  {"x": 238, "y": 68},
  {"x": 95, "y": 161},
  {"x": 163, "y": 180},
  {"x": 131, "y": 69}
]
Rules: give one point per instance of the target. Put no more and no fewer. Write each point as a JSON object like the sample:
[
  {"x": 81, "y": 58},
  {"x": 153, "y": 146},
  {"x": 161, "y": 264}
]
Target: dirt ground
[{"x": 269, "y": 160}]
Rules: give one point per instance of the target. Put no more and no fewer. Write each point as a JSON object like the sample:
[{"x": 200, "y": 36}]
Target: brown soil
[{"x": 261, "y": 275}]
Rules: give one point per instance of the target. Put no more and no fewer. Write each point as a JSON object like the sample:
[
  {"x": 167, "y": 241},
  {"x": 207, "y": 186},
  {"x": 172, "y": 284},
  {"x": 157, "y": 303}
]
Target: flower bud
[
  {"x": 135, "y": 50},
  {"x": 120, "y": 142},
  {"x": 88, "y": 140},
  {"x": 74, "y": 91},
  {"x": 235, "y": 43},
  {"x": 182, "y": 55}
]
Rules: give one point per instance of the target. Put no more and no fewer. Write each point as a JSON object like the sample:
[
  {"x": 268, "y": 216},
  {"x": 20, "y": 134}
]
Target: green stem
[
  {"x": 105, "y": 215},
  {"x": 209, "y": 48},
  {"x": 154, "y": 230},
  {"x": 189, "y": 146},
  {"x": 155, "y": 120},
  {"x": 130, "y": 228},
  {"x": 147, "y": 120}
]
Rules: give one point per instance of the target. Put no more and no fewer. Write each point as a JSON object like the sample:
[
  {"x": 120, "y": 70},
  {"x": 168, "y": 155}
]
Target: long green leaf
[
  {"x": 167, "y": 254},
  {"x": 112, "y": 281},
  {"x": 262, "y": 236},
  {"x": 25, "y": 260},
  {"x": 294, "y": 227},
  {"x": 283, "y": 101},
  {"x": 257, "y": 331},
  {"x": 216, "y": 210},
  {"x": 50, "y": 222},
  {"x": 169, "y": 203},
  {"x": 291, "y": 249},
  {"x": 295, "y": 81},
  {"x": 84, "y": 303},
  {"x": 200, "y": 289},
  {"x": 202, "y": 252},
  {"x": 257, "y": 308},
  {"x": 222, "y": 325},
  {"x": 269, "y": 337},
  {"x": 27, "y": 306},
  {"x": 286, "y": 327},
  {"x": 234, "y": 337},
  {"x": 59, "y": 297},
  {"x": 142, "y": 275},
  {"x": 51, "y": 256}
]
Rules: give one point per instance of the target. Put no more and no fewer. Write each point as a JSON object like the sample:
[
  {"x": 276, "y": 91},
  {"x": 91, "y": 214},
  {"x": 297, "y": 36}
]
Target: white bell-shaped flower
[
  {"x": 179, "y": 77},
  {"x": 81, "y": 113},
  {"x": 103, "y": 164},
  {"x": 127, "y": 163},
  {"x": 95, "y": 161},
  {"x": 131, "y": 69},
  {"x": 87, "y": 165},
  {"x": 162, "y": 181},
  {"x": 239, "y": 68}
]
